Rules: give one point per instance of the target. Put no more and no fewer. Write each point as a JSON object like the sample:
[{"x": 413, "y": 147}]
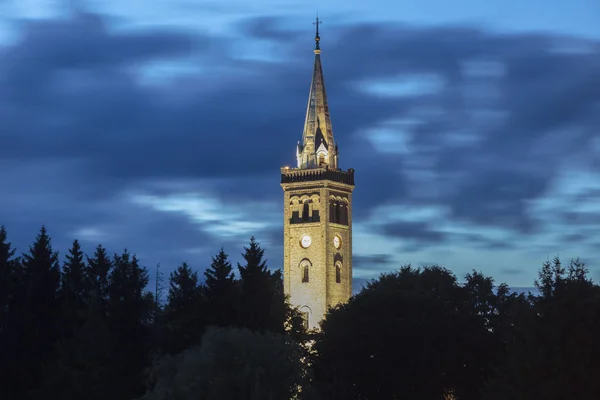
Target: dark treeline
[{"x": 86, "y": 327}]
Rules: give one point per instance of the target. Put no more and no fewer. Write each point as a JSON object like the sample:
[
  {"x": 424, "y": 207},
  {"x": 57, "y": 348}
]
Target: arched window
[
  {"x": 305, "y": 210},
  {"x": 321, "y": 160},
  {"x": 305, "y": 273},
  {"x": 305, "y": 314},
  {"x": 305, "y": 319},
  {"x": 304, "y": 269},
  {"x": 338, "y": 272}
]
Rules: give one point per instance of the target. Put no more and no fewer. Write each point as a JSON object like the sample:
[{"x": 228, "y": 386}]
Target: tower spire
[
  {"x": 317, "y": 38},
  {"x": 318, "y": 148}
]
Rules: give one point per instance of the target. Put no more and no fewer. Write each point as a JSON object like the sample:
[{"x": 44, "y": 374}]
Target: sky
[{"x": 473, "y": 127}]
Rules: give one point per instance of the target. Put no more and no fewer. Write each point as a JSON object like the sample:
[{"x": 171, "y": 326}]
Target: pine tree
[
  {"x": 74, "y": 290},
  {"x": 37, "y": 322},
  {"x": 129, "y": 312},
  {"x": 98, "y": 271},
  {"x": 88, "y": 365},
  {"x": 263, "y": 305},
  {"x": 7, "y": 290},
  {"x": 6, "y": 280},
  {"x": 255, "y": 268},
  {"x": 220, "y": 274},
  {"x": 184, "y": 311},
  {"x": 220, "y": 291}
]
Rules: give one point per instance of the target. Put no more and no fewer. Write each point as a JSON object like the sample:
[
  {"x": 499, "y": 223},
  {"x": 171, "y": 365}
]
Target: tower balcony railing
[{"x": 292, "y": 175}]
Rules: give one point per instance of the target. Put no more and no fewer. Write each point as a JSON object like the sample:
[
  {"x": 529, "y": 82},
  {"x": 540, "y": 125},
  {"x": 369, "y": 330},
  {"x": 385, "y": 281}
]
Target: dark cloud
[
  {"x": 509, "y": 112},
  {"x": 481, "y": 241},
  {"x": 418, "y": 231},
  {"x": 511, "y": 271},
  {"x": 582, "y": 218},
  {"x": 575, "y": 238},
  {"x": 371, "y": 261}
]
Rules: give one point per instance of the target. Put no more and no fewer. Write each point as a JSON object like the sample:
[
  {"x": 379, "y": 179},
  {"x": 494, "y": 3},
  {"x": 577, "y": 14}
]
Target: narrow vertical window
[
  {"x": 305, "y": 319},
  {"x": 338, "y": 273},
  {"x": 336, "y": 212},
  {"x": 305, "y": 211},
  {"x": 345, "y": 214},
  {"x": 305, "y": 274},
  {"x": 331, "y": 211}
]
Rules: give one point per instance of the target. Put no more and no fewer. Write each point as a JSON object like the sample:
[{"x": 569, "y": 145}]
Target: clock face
[
  {"x": 337, "y": 242},
  {"x": 305, "y": 241}
]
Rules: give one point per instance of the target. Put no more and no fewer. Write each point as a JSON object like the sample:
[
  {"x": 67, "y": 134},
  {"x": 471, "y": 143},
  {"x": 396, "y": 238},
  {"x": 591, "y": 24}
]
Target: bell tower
[{"x": 317, "y": 212}]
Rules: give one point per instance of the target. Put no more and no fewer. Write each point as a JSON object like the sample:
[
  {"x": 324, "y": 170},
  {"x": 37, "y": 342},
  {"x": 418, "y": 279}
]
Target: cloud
[
  {"x": 417, "y": 231},
  {"x": 484, "y": 128},
  {"x": 371, "y": 261},
  {"x": 511, "y": 271}
]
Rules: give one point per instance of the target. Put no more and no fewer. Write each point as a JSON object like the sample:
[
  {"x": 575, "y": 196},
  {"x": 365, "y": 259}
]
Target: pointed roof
[{"x": 317, "y": 126}]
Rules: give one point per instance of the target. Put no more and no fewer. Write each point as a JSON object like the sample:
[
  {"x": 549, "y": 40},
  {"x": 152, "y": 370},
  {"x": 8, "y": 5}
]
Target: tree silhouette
[
  {"x": 231, "y": 363},
  {"x": 8, "y": 288},
  {"x": 263, "y": 306},
  {"x": 553, "y": 352},
  {"x": 220, "y": 290},
  {"x": 184, "y": 312},
  {"x": 129, "y": 312},
  {"x": 36, "y": 325},
  {"x": 74, "y": 289},
  {"x": 414, "y": 334},
  {"x": 91, "y": 332}
]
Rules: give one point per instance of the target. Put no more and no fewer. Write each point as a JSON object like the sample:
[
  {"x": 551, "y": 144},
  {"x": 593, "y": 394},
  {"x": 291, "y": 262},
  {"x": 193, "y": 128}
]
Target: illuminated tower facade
[{"x": 317, "y": 213}]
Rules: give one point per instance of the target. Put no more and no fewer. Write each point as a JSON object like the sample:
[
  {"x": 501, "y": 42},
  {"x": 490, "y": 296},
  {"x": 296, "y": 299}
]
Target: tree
[
  {"x": 553, "y": 353},
  {"x": 98, "y": 272},
  {"x": 74, "y": 290},
  {"x": 184, "y": 312},
  {"x": 82, "y": 365},
  {"x": 231, "y": 363},
  {"x": 220, "y": 291},
  {"x": 35, "y": 325},
  {"x": 7, "y": 290},
  {"x": 263, "y": 307},
  {"x": 129, "y": 312},
  {"x": 7, "y": 276},
  {"x": 412, "y": 334}
]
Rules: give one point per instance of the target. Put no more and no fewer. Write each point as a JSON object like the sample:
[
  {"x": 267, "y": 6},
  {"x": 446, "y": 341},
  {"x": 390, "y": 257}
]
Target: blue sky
[{"x": 473, "y": 127}]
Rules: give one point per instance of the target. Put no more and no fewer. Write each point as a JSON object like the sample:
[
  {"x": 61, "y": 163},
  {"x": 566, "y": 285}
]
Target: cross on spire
[
  {"x": 317, "y": 38},
  {"x": 317, "y": 126}
]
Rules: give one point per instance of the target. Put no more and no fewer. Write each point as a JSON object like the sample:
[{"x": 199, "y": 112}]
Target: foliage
[
  {"x": 183, "y": 318},
  {"x": 414, "y": 334},
  {"x": 221, "y": 290},
  {"x": 231, "y": 363},
  {"x": 92, "y": 330},
  {"x": 553, "y": 352},
  {"x": 263, "y": 306}
]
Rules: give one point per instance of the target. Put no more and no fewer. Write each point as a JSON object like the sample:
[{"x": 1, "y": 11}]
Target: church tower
[{"x": 317, "y": 213}]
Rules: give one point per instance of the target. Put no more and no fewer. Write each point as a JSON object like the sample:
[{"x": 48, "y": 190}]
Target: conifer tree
[
  {"x": 6, "y": 280},
  {"x": 184, "y": 312},
  {"x": 86, "y": 366},
  {"x": 263, "y": 305},
  {"x": 98, "y": 271},
  {"x": 74, "y": 289},
  {"x": 7, "y": 290},
  {"x": 38, "y": 310},
  {"x": 220, "y": 291},
  {"x": 129, "y": 311}
]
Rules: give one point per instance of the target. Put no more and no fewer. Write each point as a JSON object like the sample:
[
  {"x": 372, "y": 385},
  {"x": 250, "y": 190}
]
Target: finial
[{"x": 317, "y": 38}]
